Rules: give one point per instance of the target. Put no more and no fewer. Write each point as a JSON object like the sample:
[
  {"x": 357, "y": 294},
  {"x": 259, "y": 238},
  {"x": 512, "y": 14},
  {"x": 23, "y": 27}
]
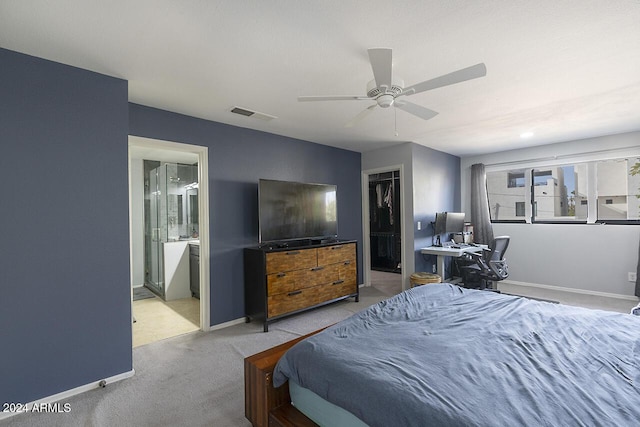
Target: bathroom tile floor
[{"x": 157, "y": 319}]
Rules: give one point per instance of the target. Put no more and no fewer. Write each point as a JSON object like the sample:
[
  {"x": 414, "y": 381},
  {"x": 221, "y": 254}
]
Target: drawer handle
[
  {"x": 337, "y": 282},
  {"x": 294, "y": 293},
  {"x": 317, "y": 268},
  {"x": 281, "y": 274},
  {"x": 293, "y": 253},
  {"x": 347, "y": 262},
  {"x": 335, "y": 247}
]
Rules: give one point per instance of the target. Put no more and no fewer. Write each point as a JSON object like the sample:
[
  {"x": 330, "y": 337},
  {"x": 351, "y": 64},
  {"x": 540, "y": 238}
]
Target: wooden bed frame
[{"x": 265, "y": 405}]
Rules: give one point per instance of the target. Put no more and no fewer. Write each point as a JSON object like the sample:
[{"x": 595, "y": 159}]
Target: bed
[{"x": 443, "y": 355}]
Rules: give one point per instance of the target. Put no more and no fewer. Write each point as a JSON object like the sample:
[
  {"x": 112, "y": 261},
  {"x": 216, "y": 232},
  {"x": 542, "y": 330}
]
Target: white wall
[{"x": 586, "y": 257}]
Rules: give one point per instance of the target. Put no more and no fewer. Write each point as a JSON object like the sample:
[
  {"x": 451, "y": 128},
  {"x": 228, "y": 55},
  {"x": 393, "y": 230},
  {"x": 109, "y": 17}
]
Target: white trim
[
  {"x": 572, "y": 290},
  {"x": 72, "y": 392},
  {"x": 227, "y": 324},
  {"x": 592, "y": 193},
  {"x": 366, "y": 229},
  {"x": 366, "y": 241},
  {"x": 203, "y": 207},
  {"x": 203, "y": 212}
]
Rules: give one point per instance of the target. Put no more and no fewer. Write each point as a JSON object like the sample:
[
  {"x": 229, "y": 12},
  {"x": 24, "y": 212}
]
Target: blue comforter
[{"x": 440, "y": 355}]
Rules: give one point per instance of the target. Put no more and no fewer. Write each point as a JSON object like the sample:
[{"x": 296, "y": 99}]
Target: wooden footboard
[{"x": 265, "y": 405}]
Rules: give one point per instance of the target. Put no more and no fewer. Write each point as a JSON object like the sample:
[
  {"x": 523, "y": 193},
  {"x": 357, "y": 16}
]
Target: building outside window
[
  {"x": 564, "y": 193},
  {"x": 506, "y": 189},
  {"x": 617, "y": 190}
]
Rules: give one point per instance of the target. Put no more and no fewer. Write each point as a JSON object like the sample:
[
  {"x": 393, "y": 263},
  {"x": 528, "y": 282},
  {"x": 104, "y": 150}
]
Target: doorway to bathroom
[{"x": 169, "y": 223}]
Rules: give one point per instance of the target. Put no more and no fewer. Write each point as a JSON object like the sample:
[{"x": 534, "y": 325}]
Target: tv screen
[{"x": 295, "y": 210}]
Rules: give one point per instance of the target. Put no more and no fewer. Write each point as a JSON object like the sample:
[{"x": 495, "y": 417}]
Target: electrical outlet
[
  {"x": 632, "y": 276},
  {"x": 433, "y": 268}
]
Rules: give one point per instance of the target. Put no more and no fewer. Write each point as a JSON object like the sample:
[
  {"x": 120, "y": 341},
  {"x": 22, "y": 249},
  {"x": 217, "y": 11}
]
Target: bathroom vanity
[
  {"x": 194, "y": 269},
  {"x": 176, "y": 269}
]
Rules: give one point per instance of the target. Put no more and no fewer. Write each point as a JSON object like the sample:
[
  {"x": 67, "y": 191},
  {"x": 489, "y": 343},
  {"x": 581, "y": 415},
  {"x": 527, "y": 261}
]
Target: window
[
  {"x": 543, "y": 178},
  {"x": 594, "y": 191},
  {"x": 556, "y": 192},
  {"x": 618, "y": 189},
  {"x": 507, "y": 195},
  {"x": 516, "y": 179}
]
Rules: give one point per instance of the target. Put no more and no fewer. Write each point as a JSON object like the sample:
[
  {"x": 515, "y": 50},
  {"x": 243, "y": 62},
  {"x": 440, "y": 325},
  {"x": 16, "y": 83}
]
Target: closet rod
[{"x": 384, "y": 179}]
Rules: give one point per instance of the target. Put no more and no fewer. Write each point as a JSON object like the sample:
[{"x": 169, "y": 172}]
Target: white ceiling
[{"x": 564, "y": 70}]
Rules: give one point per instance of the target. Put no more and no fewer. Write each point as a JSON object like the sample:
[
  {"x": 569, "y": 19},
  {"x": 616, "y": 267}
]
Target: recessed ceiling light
[{"x": 526, "y": 134}]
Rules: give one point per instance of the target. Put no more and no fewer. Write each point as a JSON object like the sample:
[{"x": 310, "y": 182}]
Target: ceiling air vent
[{"x": 253, "y": 114}]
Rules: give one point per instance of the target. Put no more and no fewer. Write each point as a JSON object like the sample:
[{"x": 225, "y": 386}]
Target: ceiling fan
[{"x": 385, "y": 89}]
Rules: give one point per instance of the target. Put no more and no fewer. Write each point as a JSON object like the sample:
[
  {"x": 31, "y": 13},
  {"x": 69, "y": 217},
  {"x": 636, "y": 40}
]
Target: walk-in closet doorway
[{"x": 383, "y": 229}]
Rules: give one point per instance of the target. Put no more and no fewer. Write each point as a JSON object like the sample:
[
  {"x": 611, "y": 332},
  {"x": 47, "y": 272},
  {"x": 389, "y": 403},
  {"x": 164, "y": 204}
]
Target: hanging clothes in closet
[{"x": 384, "y": 214}]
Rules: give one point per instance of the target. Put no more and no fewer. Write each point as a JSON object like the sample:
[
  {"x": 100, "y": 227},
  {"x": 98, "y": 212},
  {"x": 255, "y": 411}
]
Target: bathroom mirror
[{"x": 192, "y": 209}]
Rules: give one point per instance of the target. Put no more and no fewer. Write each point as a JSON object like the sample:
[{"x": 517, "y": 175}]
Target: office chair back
[
  {"x": 484, "y": 268},
  {"x": 495, "y": 261}
]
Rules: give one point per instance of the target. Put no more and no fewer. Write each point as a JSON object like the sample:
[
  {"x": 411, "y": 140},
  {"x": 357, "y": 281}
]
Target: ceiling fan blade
[
  {"x": 357, "y": 119},
  {"x": 333, "y": 98},
  {"x": 473, "y": 72},
  {"x": 380, "y": 59},
  {"x": 416, "y": 110}
]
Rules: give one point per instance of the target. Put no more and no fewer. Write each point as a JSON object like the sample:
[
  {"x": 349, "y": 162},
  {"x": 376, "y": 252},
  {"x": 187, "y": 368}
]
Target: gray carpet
[{"x": 191, "y": 380}]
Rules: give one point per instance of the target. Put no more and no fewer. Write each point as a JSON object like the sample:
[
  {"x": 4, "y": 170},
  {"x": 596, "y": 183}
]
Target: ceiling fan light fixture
[
  {"x": 385, "y": 101},
  {"x": 385, "y": 88}
]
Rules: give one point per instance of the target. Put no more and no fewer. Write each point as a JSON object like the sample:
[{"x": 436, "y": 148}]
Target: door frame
[
  {"x": 203, "y": 213},
  {"x": 366, "y": 226}
]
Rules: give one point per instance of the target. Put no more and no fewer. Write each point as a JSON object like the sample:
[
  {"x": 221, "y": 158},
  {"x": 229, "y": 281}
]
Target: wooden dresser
[{"x": 279, "y": 282}]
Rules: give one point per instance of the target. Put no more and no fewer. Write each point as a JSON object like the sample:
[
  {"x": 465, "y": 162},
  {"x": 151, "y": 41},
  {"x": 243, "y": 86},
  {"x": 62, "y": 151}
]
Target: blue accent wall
[
  {"x": 436, "y": 188},
  {"x": 238, "y": 158},
  {"x": 65, "y": 296},
  {"x": 65, "y": 292}
]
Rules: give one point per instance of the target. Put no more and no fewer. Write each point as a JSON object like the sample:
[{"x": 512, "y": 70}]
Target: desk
[{"x": 442, "y": 252}]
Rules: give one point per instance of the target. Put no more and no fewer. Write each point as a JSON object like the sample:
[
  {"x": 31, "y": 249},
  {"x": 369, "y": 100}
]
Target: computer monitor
[{"x": 448, "y": 223}]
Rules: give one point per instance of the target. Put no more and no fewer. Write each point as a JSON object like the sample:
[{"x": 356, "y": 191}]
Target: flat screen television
[{"x": 296, "y": 210}]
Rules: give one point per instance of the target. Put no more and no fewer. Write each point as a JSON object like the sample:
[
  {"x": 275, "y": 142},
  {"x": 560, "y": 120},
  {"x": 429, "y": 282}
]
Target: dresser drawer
[
  {"x": 335, "y": 290},
  {"x": 292, "y": 301},
  {"x": 289, "y": 281},
  {"x": 347, "y": 272},
  {"x": 291, "y": 260},
  {"x": 337, "y": 253}
]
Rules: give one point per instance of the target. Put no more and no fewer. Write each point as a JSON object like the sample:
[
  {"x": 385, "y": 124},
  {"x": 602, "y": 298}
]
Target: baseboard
[
  {"x": 227, "y": 324},
  {"x": 74, "y": 391},
  {"x": 573, "y": 290}
]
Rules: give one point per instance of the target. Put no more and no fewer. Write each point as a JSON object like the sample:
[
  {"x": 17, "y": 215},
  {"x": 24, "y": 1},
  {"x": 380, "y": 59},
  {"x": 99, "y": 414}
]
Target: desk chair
[{"x": 484, "y": 268}]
